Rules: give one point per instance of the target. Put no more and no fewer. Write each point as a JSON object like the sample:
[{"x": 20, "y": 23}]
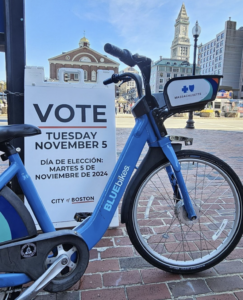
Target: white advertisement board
[{"x": 71, "y": 161}]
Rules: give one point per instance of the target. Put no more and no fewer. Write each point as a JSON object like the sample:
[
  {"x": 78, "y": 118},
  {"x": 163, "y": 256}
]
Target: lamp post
[{"x": 196, "y": 30}]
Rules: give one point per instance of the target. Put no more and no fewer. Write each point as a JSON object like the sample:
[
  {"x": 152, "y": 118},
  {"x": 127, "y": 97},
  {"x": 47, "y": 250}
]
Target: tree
[{"x": 3, "y": 86}]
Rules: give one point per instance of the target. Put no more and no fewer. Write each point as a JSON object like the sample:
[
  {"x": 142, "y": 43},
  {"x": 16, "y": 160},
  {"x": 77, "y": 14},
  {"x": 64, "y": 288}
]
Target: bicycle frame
[{"x": 93, "y": 228}]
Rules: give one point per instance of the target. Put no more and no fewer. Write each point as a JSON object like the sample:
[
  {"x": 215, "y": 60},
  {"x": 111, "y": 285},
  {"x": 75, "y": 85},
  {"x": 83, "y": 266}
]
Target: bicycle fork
[{"x": 176, "y": 178}]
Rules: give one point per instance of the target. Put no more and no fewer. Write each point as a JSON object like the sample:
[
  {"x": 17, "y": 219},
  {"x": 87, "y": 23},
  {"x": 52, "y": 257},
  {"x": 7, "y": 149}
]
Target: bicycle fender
[
  {"x": 153, "y": 158},
  {"x": 15, "y": 219}
]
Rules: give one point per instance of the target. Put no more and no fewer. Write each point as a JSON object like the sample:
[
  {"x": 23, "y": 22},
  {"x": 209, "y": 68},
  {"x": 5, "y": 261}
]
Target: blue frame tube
[
  {"x": 168, "y": 150},
  {"x": 93, "y": 230}
]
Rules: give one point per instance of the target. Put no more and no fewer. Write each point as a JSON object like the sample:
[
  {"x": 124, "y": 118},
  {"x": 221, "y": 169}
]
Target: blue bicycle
[{"x": 182, "y": 208}]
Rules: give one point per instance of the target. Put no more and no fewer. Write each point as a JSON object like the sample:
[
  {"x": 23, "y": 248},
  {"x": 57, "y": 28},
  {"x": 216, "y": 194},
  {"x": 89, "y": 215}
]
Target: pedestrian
[{"x": 124, "y": 108}]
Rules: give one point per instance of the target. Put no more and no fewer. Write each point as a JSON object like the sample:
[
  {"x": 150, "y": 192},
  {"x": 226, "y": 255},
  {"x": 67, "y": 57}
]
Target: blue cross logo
[{"x": 185, "y": 89}]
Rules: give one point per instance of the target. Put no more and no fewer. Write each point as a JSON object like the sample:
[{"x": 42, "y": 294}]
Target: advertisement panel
[{"x": 71, "y": 161}]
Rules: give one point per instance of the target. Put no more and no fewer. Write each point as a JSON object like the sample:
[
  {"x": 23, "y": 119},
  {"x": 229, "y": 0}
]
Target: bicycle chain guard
[{"x": 29, "y": 256}]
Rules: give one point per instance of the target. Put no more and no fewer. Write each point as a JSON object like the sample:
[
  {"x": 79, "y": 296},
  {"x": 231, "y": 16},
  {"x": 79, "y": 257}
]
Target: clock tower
[{"x": 180, "y": 48}]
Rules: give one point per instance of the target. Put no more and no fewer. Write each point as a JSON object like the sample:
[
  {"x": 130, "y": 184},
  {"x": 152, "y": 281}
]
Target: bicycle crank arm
[{"x": 59, "y": 264}]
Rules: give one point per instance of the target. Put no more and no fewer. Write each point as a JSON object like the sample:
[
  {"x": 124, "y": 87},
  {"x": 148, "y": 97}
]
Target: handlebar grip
[
  {"x": 108, "y": 81},
  {"x": 124, "y": 55},
  {"x": 113, "y": 50}
]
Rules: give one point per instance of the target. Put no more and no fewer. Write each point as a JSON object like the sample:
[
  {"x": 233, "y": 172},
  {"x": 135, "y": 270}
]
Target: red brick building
[{"x": 82, "y": 58}]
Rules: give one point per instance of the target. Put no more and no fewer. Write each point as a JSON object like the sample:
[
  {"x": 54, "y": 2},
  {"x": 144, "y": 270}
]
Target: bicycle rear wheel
[{"x": 157, "y": 224}]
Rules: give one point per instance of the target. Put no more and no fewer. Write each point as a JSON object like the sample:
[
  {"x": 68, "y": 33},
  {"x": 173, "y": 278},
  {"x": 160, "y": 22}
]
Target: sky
[{"x": 141, "y": 26}]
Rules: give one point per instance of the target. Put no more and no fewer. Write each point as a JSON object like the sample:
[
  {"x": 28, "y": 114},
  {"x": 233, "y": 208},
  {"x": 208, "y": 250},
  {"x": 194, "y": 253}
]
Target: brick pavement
[{"x": 117, "y": 272}]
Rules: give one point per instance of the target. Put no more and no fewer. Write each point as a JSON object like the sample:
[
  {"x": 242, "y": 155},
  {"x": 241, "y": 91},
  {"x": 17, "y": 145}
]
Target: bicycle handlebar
[{"x": 144, "y": 64}]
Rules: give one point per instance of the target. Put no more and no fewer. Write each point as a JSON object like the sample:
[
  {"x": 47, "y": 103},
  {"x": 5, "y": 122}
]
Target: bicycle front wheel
[{"x": 158, "y": 225}]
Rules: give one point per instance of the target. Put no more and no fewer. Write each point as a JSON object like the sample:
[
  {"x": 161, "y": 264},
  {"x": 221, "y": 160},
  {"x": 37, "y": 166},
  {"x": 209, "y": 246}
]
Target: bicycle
[{"x": 182, "y": 208}]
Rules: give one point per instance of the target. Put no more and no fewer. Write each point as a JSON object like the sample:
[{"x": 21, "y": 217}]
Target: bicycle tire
[{"x": 218, "y": 192}]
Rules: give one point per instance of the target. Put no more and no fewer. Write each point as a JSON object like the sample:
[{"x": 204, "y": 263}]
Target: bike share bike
[{"x": 182, "y": 208}]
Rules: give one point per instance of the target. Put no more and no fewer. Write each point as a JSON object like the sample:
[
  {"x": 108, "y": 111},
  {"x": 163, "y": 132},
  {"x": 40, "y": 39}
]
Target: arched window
[
  {"x": 93, "y": 76},
  {"x": 85, "y": 59},
  {"x": 85, "y": 75}
]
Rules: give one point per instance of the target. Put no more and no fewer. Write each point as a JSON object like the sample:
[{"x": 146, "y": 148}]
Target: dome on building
[
  {"x": 84, "y": 42},
  {"x": 84, "y": 39}
]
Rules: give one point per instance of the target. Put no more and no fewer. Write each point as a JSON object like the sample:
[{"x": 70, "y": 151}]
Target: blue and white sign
[{"x": 189, "y": 91}]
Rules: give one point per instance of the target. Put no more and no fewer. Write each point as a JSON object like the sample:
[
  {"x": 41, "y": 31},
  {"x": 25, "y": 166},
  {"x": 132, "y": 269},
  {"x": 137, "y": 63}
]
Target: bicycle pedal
[{"x": 81, "y": 216}]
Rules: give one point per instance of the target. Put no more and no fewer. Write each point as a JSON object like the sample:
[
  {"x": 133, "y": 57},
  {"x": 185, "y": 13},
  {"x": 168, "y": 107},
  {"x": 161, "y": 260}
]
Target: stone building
[
  {"x": 84, "y": 58},
  {"x": 223, "y": 55},
  {"x": 180, "y": 48},
  {"x": 165, "y": 68},
  {"x": 178, "y": 65}
]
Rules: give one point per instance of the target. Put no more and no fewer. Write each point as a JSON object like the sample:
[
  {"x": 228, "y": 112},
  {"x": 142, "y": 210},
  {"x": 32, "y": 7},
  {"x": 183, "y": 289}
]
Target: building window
[
  {"x": 161, "y": 74},
  {"x": 216, "y": 58},
  {"x": 161, "y": 68},
  {"x": 217, "y": 52},
  {"x": 219, "y": 71},
  {"x": 220, "y": 57},
  {"x": 161, "y": 87},
  {"x": 175, "y": 70},
  {"x": 169, "y": 69},
  {"x": 168, "y": 63},
  {"x": 175, "y": 75},
  {"x": 93, "y": 75},
  {"x": 85, "y": 75},
  {"x": 242, "y": 88},
  {"x": 210, "y": 57},
  {"x": 212, "y": 44},
  {"x": 208, "y": 46},
  {"x": 218, "y": 38},
  {"x": 221, "y": 50},
  {"x": 222, "y": 35},
  {"x": 205, "y": 48},
  {"x": 217, "y": 45},
  {"x": 221, "y": 43},
  {"x": 182, "y": 75},
  {"x": 211, "y": 51},
  {"x": 216, "y": 66},
  {"x": 168, "y": 75},
  {"x": 207, "y": 58},
  {"x": 208, "y": 52},
  {"x": 174, "y": 63},
  {"x": 189, "y": 70},
  {"x": 204, "y": 60},
  {"x": 183, "y": 70},
  {"x": 76, "y": 76},
  {"x": 219, "y": 64},
  {"x": 184, "y": 51},
  {"x": 161, "y": 80}
]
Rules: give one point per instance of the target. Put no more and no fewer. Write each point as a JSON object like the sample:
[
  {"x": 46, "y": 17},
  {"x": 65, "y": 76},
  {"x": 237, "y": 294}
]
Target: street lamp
[{"x": 196, "y": 30}]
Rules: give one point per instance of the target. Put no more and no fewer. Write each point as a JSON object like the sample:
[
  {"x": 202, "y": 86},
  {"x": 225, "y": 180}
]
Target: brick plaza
[{"x": 117, "y": 272}]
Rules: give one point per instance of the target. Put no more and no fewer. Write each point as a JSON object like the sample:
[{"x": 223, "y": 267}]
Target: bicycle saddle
[{"x": 9, "y": 132}]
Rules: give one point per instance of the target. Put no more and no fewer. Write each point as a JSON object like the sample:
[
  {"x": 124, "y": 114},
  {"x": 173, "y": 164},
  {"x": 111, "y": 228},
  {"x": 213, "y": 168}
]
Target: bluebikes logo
[{"x": 185, "y": 88}]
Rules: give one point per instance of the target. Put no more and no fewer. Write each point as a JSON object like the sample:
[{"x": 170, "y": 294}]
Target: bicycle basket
[{"x": 191, "y": 92}]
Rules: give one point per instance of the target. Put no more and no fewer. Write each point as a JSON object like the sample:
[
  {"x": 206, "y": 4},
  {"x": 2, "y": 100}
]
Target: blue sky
[{"x": 142, "y": 26}]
